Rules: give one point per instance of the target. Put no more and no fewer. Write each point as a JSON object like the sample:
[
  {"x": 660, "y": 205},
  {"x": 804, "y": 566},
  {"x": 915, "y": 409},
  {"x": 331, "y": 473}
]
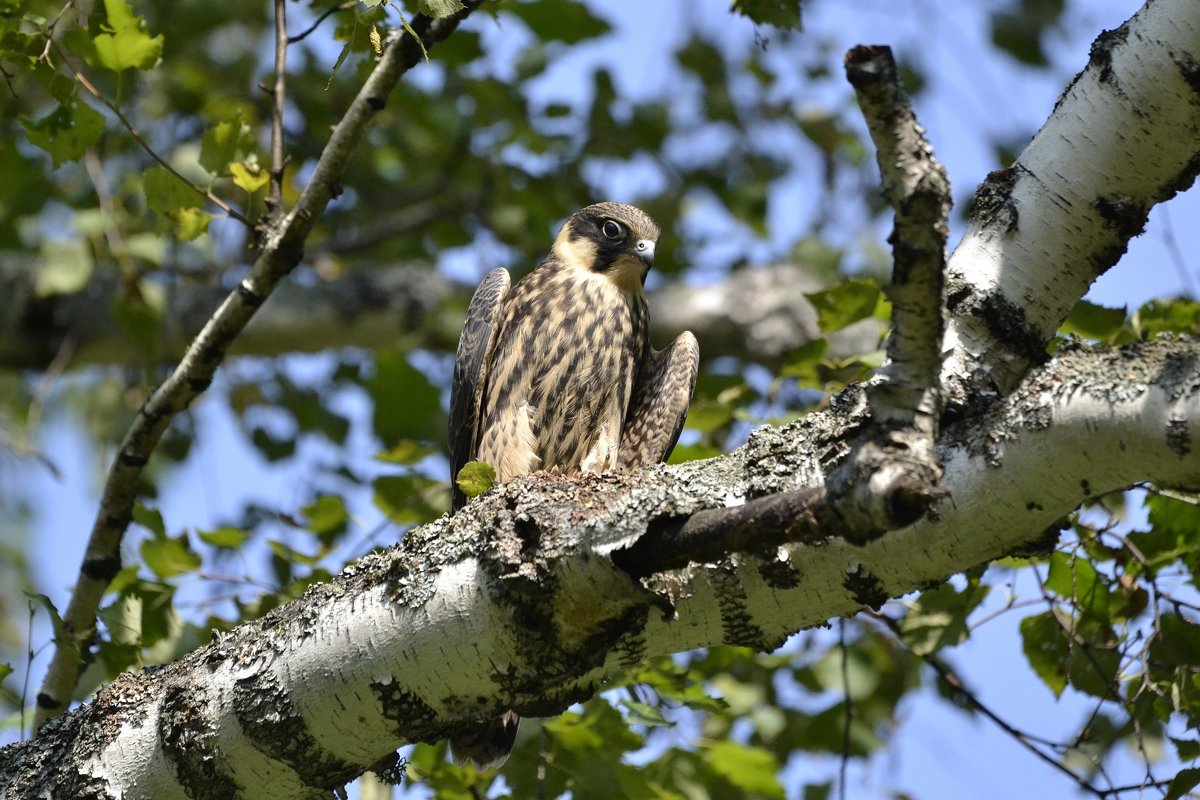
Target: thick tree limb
[
  {"x": 891, "y": 475},
  {"x": 519, "y": 601},
  {"x": 282, "y": 249},
  {"x": 1122, "y": 138},
  {"x": 758, "y": 315}
]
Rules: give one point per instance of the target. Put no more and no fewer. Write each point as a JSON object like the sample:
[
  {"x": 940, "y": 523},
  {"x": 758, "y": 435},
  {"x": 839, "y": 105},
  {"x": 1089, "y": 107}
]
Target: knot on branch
[{"x": 886, "y": 484}]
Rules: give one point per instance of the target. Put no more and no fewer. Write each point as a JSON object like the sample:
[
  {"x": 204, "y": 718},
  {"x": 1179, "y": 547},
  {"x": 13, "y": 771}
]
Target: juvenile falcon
[{"x": 558, "y": 373}]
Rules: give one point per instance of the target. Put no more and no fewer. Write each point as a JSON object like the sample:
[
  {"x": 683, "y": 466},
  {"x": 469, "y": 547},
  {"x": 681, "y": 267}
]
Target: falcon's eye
[{"x": 610, "y": 229}]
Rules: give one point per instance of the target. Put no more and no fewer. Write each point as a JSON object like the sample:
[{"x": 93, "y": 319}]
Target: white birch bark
[{"x": 516, "y": 603}]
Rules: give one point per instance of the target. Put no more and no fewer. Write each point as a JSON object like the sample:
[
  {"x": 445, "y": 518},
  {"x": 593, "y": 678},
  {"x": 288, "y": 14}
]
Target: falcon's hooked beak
[{"x": 643, "y": 249}]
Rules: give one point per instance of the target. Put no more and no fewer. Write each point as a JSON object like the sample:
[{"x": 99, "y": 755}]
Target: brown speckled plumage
[{"x": 557, "y": 373}]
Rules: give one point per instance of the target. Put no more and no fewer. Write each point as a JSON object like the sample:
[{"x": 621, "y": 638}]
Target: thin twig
[
  {"x": 1027, "y": 741},
  {"x": 28, "y": 666},
  {"x": 54, "y": 370},
  {"x": 1171, "y": 494},
  {"x": 279, "y": 93},
  {"x": 8, "y": 80},
  {"x": 1177, "y": 259},
  {"x": 137, "y": 137},
  {"x": 849, "y": 708},
  {"x": 53, "y": 24},
  {"x": 281, "y": 252},
  {"x": 1012, "y": 605},
  {"x": 326, "y": 14},
  {"x": 112, "y": 230}
]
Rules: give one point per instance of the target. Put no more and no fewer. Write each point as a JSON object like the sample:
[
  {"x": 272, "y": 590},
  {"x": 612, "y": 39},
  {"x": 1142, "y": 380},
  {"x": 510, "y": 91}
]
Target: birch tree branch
[
  {"x": 1122, "y": 138},
  {"x": 282, "y": 250},
  {"x": 520, "y": 600},
  {"x": 758, "y": 315},
  {"x": 891, "y": 475}
]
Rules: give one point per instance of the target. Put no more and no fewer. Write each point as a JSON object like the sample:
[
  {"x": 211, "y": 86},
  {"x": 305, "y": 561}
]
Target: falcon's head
[{"x": 611, "y": 239}]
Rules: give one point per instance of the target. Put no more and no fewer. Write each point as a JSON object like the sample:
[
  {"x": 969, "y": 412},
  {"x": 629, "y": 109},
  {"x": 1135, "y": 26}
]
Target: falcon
[{"x": 557, "y": 373}]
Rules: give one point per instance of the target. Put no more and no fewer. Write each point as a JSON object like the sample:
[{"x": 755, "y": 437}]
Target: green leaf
[
  {"x": 143, "y": 615},
  {"x": 5, "y": 671},
  {"x": 67, "y": 132},
  {"x": 1186, "y": 749},
  {"x": 126, "y": 45},
  {"x": 169, "y": 556},
  {"x": 1088, "y": 661},
  {"x": 405, "y": 451},
  {"x": 139, "y": 311},
  {"x": 56, "y": 619},
  {"x": 272, "y": 448},
  {"x": 671, "y": 680},
  {"x": 64, "y": 267},
  {"x": 409, "y": 498},
  {"x": 224, "y": 144},
  {"x": 249, "y": 176},
  {"x": 560, "y": 20},
  {"x": 752, "y": 769},
  {"x": 599, "y": 727},
  {"x": 415, "y": 37},
  {"x": 1174, "y": 535},
  {"x": 1184, "y": 781},
  {"x": 327, "y": 516},
  {"x": 839, "y": 306},
  {"x": 1046, "y": 650},
  {"x": 779, "y": 13},
  {"x": 191, "y": 223},
  {"x": 1094, "y": 322},
  {"x": 159, "y": 618},
  {"x": 439, "y": 8},
  {"x": 166, "y": 192},
  {"x": 226, "y": 537},
  {"x": 818, "y": 791},
  {"x": 341, "y": 59},
  {"x": 1077, "y": 580},
  {"x": 802, "y": 363},
  {"x": 938, "y": 618},
  {"x": 693, "y": 452},
  {"x": 406, "y": 403},
  {"x": 176, "y": 202},
  {"x": 1020, "y": 31},
  {"x": 638, "y": 713},
  {"x": 1167, "y": 316},
  {"x": 475, "y": 478},
  {"x": 1178, "y": 644},
  {"x": 707, "y": 415},
  {"x": 291, "y": 555},
  {"x": 149, "y": 518}
]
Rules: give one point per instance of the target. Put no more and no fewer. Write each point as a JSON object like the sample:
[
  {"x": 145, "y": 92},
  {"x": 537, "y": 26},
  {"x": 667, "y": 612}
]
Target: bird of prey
[{"x": 557, "y": 373}]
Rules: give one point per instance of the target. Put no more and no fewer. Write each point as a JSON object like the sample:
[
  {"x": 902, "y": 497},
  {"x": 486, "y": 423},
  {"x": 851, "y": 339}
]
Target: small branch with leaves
[
  {"x": 281, "y": 251},
  {"x": 150, "y": 151}
]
